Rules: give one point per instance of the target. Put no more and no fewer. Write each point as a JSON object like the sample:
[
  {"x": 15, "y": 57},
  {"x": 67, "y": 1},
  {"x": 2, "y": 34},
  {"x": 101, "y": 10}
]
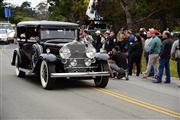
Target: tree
[
  {"x": 121, "y": 13},
  {"x": 1, "y": 13},
  {"x": 60, "y": 9},
  {"x": 164, "y": 11},
  {"x": 127, "y": 6},
  {"x": 26, "y": 5},
  {"x": 159, "y": 13},
  {"x": 67, "y": 10},
  {"x": 79, "y": 8},
  {"x": 42, "y": 11},
  {"x": 23, "y": 13},
  {"x": 1, "y": 9}
]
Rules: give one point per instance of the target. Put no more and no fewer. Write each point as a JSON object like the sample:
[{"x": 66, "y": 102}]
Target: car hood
[
  {"x": 11, "y": 34},
  {"x": 3, "y": 35}
]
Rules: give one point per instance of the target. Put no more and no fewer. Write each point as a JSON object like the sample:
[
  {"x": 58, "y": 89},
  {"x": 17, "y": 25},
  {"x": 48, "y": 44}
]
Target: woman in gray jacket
[{"x": 175, "y": 53}]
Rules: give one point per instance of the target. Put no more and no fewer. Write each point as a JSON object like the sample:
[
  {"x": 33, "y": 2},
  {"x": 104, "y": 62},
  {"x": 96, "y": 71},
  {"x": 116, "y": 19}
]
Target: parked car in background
[
  {"x": 52, "y": 49},
  {"x": 3, "y": 36},
  {"x": 175, "y": 34},
  {"x": 10, "y": 28}
]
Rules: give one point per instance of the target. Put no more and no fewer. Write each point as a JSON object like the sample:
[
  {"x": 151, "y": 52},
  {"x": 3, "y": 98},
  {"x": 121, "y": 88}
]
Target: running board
[{"x": 25, "y": 70}]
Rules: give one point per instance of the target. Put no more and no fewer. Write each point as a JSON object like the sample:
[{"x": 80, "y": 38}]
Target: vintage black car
[{"x": 52, "y": 50}]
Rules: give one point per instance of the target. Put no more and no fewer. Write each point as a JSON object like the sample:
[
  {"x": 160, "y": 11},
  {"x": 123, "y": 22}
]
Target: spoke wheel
[
  {"x": 34, "y": 58},
  {"x": 45, "y": 75}
]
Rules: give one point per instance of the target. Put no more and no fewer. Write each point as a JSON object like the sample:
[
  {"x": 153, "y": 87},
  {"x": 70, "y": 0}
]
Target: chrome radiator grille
[
  {"x": 78, "y": 50},
  {"x": 80, "y": 63}
]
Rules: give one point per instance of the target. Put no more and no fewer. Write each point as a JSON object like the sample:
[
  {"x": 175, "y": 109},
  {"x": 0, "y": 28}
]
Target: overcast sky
[{"x": 19, "y": 2}]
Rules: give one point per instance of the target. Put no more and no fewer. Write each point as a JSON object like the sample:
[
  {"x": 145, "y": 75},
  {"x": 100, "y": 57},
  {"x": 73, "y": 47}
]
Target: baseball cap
[
  {"x": 98, "y": 32},
  {"x": 154, "y": 31},
  {"x": 108, "y": 32}
]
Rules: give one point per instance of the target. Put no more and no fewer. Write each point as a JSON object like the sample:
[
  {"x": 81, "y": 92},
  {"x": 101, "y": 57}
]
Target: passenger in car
[{"x": 34, "y": 38}]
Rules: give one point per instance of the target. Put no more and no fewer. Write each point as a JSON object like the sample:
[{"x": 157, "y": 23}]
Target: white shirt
[{"x": 147, "y": 45}]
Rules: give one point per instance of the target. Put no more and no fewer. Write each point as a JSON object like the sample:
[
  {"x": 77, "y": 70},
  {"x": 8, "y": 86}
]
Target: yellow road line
[{"x": 140, "y": 103}]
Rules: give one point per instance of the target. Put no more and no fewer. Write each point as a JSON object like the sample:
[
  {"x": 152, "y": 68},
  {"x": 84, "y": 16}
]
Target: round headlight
[
  {"x": 64, "y": 52},
  {"x": 48, "y": 50},
  {"x": 87, "y": 62},
  {"x": 90, "y": 52},
  {"x": 73, "y": 62}
]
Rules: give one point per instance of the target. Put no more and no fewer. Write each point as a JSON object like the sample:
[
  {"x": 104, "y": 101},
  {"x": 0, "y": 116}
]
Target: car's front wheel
[
  {"x": 19, "y": 73},
  {"x": 102, "y": 81},
  {"x": 45, "y": 75}
]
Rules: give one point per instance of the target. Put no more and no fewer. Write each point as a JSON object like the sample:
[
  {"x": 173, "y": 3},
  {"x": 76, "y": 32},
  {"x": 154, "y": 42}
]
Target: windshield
[
  {"x": 6, "y": 26},
  {"x": 2, "y": 31},
  {"x": 53, "y": 34}
]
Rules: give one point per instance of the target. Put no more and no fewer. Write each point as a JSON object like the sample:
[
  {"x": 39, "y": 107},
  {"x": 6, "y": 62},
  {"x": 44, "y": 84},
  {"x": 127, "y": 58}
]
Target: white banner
[{"x": 90, "y": 12}]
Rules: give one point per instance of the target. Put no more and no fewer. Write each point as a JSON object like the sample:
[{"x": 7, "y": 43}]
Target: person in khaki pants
[{"x": 154, "y": 53}]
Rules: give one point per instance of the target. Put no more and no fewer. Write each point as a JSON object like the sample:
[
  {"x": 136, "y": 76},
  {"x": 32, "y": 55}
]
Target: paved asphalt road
[{"x": 136, "y": 99}]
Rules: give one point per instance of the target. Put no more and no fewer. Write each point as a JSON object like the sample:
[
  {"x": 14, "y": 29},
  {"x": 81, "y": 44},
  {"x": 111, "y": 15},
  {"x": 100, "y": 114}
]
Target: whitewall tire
[
  {"x": 45, "y": 75},
  {"x": 19, "y": 73}
]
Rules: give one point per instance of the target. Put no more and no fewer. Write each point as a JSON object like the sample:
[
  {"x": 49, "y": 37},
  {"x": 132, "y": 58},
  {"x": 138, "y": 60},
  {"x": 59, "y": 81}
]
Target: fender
[
  {"x": 48, "y": 57},
  {"x": 102, "y": 56},
  {"x": 16, "y": 52}
]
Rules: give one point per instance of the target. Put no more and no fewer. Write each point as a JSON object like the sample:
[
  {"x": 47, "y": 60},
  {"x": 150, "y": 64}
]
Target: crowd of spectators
[{"x": 127, "y": 47}]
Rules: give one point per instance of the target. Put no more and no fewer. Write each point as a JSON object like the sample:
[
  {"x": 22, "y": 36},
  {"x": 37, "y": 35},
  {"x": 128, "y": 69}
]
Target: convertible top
[{"x": 46, "y": 23}]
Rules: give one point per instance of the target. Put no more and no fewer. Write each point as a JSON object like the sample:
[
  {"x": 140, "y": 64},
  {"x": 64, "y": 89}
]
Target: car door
[{"x": 26, "y": 39}]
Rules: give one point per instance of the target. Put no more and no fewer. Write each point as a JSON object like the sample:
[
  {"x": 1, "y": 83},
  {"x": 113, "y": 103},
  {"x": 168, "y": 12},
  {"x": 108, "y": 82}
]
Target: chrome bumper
[{"x": 80, "y": 74}]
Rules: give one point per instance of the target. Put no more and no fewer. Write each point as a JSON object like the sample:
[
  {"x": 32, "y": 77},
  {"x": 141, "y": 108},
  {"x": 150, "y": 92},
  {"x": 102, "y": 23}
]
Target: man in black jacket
[
  {"x": 118, "y": 63},
  {"x": 98, "y": 44},
  {"x": 164, "y": 55}
]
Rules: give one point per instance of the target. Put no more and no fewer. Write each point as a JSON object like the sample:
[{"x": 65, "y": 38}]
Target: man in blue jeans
[{"x": 164, "y": 54}]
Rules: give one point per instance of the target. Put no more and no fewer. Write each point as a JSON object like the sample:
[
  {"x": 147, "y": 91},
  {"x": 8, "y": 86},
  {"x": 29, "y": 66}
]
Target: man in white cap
[
  {"x": 98, "y": 32},
  {"x": 98, "y": 44}
]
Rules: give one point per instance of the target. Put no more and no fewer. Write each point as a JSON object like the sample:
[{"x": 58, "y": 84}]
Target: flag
[{"x": 90, "y": 12}]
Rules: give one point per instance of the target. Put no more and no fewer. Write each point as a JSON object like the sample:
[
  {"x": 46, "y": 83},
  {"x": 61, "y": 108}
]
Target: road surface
[{"x": 136, "y": 99}]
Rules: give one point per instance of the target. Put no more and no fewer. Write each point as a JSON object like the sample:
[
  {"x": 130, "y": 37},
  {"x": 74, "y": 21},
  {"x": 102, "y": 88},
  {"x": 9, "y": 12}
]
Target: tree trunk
[
  {"x": 128, "y": 18},
  {"x": 163, "y": 22},
  {"x": 127, "y": 6}
]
